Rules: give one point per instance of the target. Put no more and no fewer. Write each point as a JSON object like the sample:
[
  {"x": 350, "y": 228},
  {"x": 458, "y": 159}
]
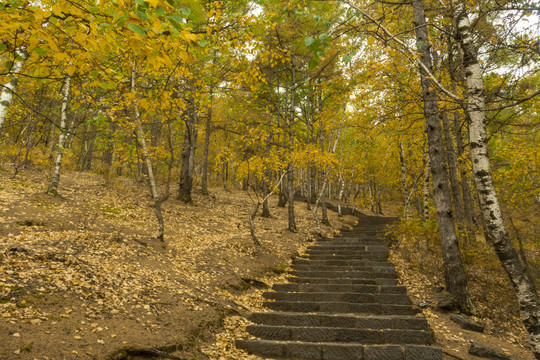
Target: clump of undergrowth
[{"x": 417, "y": 254}]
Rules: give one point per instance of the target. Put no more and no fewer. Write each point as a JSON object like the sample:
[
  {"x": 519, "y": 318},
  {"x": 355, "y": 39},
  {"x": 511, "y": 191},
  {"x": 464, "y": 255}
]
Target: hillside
[{"x": 83, "y": 276}]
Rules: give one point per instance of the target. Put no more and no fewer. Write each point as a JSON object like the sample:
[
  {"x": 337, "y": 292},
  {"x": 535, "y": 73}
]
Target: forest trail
[{"x": 343, "y": 302}]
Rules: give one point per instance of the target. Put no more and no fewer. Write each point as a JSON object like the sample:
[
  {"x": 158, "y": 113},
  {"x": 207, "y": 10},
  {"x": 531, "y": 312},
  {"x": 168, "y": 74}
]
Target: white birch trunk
[
  {"x": 340, "y": 196},
  {"x": 495, "y": 229},
  {"x": 148, "y": 162},
  {"x": 6, "y": 97},
  {"x": 406, "y": 212},
  {"x": 53, "y": 188}
]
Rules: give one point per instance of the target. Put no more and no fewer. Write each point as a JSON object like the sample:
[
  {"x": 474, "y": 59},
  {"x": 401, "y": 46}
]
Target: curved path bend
[{"x": 343, "y": 302}]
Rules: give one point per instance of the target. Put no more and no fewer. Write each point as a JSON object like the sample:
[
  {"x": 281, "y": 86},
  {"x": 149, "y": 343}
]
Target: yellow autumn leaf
[
  {"x": 71, "y": 70},
  {"x": 189, "y": 37}
]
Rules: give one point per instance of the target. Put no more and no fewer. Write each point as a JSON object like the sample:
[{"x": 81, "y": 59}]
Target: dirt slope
[{"x": 82, "y": 276}]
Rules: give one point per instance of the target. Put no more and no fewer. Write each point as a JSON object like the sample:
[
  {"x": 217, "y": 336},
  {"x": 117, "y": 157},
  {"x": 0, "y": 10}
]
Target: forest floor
[{"x": 83, "y": 277}]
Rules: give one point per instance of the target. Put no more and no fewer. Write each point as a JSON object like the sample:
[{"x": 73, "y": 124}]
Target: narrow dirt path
[{"x": 343, "y": 302}]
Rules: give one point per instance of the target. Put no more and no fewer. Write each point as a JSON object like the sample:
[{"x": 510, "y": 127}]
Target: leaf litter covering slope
[
  {"x": 82, "y": 276},
  {"x": 420, "y": 271}
]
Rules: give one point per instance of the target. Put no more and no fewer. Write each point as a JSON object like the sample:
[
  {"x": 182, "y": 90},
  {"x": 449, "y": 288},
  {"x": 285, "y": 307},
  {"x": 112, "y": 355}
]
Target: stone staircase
[{"x": 343, "y": 302}]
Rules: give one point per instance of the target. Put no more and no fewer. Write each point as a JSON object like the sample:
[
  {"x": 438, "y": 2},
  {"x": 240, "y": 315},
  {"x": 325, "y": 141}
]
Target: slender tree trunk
[
  {"x": 468, "y": 211},
  {"x": 372, "y": 196},
  {"x": 405, "y": 190},
  {"x": 495, "y": 229},
  {"x": 426, "y": 188},
  {"x": 267, "y": 171},
  {"x": 340, "y": 196},
  {"x": 379, "y": 203},
  {"x": 6, "y": 96},
  {"x": 456, "y": 281},
  {"x": 290, "y": 167},
  {"x": 316, "y": 205},
  {"x": 148, "y": 162},
  {"x": 204, "y": 176},
  {"x": 53, "y": 187},
  {"x": 188, "y": 154},
  {"x": 354, "y": 201},
  {"x": 451, "y": 159}
]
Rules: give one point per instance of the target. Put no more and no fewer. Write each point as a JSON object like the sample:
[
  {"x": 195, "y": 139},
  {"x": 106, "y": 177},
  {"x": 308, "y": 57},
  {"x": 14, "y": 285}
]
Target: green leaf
[
  {"x": 140, "y": 2},
  {"x": 312, "y": 63},
  {"x": 309, "y": 41},
  {"x": 160, "y": 11},
  {"x": 141, "y": 15},
  {"x": 137, "y": 29},
  {"x": 202, "y": 43},
  {"x": 93, "y": 9},
  {"x": 347, "y": 59},
  {"x": 8, "y": 64},
  {"x": 176, "y": 18},
  {"x": 3, "y": 47},
  {"x": 323, "y": 36}
]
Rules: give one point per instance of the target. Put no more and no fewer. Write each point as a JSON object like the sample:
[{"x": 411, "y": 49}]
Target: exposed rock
[
  {"x": 487, "y": 353},
  {"x": 467, "y": 323},
  {"x": 445, "y": 301}
]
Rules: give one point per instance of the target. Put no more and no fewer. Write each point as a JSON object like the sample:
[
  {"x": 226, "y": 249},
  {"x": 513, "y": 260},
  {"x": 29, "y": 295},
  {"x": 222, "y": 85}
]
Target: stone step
[
  {"x": 361, "y": 288},
  {"x": 343, "y": 274},
  {"x": 332, "y": 262},
  {"x": 332, "y": 334},
  {"x": 341, "y": 320},
  {"x": 345, "y": 268},
  {"x": 347, "y": 297},
  {"x": 354, "y": 281},
  {"x": 352, "y": 240},
  {"x": 338, "y": 351},
  {"x": 355, "y": 256},
  {"x": 352, "y": 253},
  {"x": 341, "y": 307},
  {"x": 348, "y": 247}
]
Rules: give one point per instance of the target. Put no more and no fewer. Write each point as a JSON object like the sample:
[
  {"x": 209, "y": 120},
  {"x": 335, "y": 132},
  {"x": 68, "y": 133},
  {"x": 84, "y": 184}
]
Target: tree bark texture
[
  {"x": 290, "y": 167},
  {"x": 6, "y": 96},
  {"x": 53, "y": 187},
  {"x": 451, "y": 160},
  {"x": 456, "y": 281},
  {"x": 188, "y": 154},
  {"x": 148, "y": 162},
  {"x": 495, "y": 229},
  {"x": 468, "y": 209}
]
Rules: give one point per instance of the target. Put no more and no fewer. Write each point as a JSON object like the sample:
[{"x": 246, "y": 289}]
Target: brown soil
[{"x": 82, "y": 276}]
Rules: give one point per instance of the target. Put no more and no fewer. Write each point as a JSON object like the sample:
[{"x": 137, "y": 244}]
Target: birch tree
[
  {"x": 454, "y": 274},
  {"x": 8, "y": 89},
  {"x": 53, "y": 187},
  {"x": 495, "y": 229}
]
